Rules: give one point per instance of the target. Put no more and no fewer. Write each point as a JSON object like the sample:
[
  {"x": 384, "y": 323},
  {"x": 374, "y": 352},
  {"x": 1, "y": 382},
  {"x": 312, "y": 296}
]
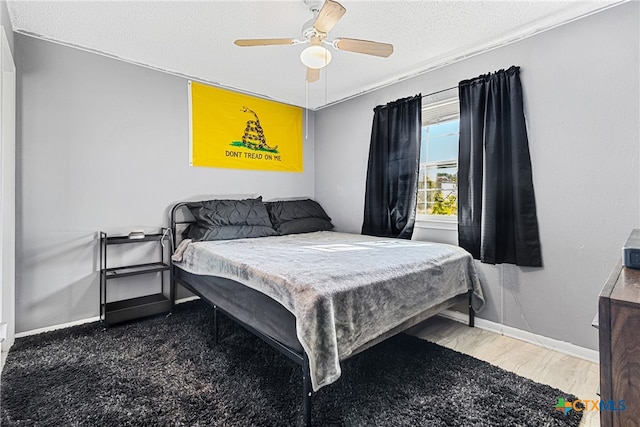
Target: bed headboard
[
  {"x": 180, "y": 219},
  {"x": 234, "y": 214}
]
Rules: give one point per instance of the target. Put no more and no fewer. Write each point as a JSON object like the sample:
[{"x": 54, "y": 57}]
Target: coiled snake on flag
[{"x": 253, "y": 136}]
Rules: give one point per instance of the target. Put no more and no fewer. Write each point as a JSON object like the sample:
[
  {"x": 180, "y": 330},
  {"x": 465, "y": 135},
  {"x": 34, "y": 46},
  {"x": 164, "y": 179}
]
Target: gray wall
[
  {"x": 103, "y": 145},
  {"x": 581, "y": 89}
]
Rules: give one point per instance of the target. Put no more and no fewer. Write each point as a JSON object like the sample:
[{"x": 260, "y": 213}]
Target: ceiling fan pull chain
[{"x": 306, "y": 120}]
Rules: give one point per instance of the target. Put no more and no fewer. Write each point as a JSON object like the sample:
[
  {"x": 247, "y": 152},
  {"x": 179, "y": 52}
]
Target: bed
[{"x": 318, "y": 296}]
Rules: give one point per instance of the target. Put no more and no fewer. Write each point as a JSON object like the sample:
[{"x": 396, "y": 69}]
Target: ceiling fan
[{"x": 315, "y": 32}]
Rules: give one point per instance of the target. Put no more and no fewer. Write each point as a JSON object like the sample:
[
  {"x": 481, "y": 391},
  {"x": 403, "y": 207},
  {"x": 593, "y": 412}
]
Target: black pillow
[
  {"x": 227, "y": 232},
  {"x": 229, "y": 219},
  {"x": 298, "y": 216},
  {"x": 304, "y": 225}
]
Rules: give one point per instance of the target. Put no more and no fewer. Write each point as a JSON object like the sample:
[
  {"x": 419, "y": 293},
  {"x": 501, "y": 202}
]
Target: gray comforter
[{"x": 344, "y": 289}]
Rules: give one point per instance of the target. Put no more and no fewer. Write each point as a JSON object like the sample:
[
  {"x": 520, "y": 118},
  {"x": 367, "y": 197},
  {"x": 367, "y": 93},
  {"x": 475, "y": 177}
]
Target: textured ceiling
[{"x": 195, "y": 38}]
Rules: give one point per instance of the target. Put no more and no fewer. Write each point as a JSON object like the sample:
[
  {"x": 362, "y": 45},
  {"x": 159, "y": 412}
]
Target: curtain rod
[
  {"x": 404, "y": 99},
  {"x": 440, "y": 91}
]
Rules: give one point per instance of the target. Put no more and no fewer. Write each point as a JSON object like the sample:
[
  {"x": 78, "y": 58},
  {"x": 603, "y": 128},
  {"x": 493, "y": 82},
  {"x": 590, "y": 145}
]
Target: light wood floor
[{"x": 569, "y": 374}]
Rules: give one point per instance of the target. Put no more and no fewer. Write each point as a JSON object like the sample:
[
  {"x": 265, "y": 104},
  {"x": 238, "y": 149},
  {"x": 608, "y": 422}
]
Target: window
[{"x": 438, "y": 179}]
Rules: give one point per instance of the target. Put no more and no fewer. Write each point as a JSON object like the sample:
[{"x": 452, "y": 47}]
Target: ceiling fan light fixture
[{"x": 315, "y": 56}]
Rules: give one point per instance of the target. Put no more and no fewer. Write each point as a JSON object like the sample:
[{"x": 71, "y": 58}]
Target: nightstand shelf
[
  {"x": 134, "y": 270},
  {"x": 132, "y": 308}
]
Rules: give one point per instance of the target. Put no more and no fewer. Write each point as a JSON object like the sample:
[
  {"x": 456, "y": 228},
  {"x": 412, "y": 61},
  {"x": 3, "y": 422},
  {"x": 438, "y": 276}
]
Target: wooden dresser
[{"x": 619, "y": 329}]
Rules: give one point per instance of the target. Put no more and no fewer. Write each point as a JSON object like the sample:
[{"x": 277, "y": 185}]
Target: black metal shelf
[
  {"x": 133, "y": 308},
  {"x": 134, "y": 270},
  {"x": 116, "y": 240}
]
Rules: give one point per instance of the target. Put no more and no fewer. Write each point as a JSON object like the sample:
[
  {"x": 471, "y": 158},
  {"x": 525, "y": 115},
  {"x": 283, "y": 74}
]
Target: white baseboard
[
  {"x": 81, "y": 322},
  {"x": 3, "y": 358},
  {"x": 539, "y": 340},
  {"x": 187, "y": 299},
  {"x": 56, "y": 327},
  {"x": 3, "y": 331}
]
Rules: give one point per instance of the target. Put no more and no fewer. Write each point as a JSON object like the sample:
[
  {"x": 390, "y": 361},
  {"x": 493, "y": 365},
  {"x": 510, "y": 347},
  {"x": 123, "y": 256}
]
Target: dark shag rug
[{"x": 167, "y": 371}]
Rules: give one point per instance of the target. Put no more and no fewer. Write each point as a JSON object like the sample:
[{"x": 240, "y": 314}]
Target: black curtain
[
  {"x": 497, "y": 221},
  {"x": 394, "y": 163}
]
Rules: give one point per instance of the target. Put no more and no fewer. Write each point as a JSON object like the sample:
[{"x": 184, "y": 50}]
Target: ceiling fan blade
[
  {"x": 313, "y": 74},
  {"x": 262, "y": 42},
  {"x": 367, "y": 47},
  {"x": 328, "y": 16}
]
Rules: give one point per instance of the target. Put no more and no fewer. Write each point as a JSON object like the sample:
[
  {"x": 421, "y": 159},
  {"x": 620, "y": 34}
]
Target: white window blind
[{"x": 440, "y": 111}]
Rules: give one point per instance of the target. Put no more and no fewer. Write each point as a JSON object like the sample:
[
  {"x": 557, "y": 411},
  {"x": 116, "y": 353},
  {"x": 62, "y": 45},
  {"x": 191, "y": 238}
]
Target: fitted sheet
[{"x": 251, "y": 307}]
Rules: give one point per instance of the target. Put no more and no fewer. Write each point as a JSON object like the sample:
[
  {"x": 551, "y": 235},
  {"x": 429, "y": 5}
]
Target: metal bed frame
[{"x": 299, "y": 358}]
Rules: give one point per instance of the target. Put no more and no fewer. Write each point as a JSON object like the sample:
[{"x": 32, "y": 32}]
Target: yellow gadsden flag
[{"x": 232, "y": 130}]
